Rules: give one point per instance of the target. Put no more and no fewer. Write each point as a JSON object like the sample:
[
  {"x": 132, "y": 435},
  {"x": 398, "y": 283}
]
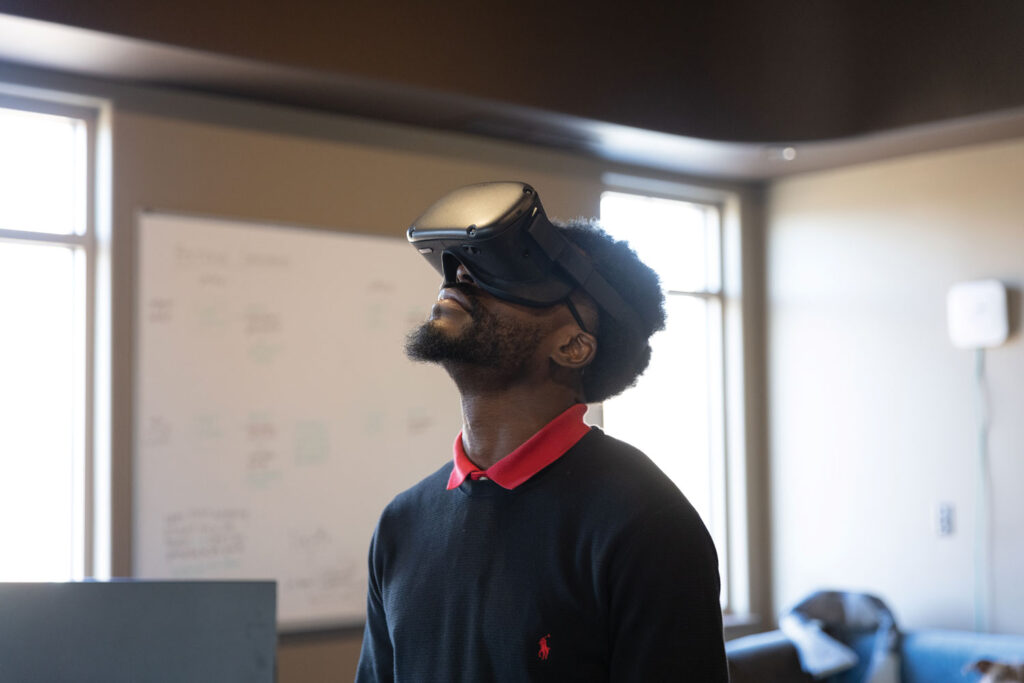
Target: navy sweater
[{"x": 595, "y": 569}]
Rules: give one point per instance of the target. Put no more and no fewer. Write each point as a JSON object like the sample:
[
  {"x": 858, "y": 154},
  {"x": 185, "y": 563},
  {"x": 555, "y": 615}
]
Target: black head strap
[{"x": 581, "y": 269}]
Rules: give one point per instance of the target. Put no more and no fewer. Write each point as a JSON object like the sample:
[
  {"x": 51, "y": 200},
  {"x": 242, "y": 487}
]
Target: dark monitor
[{"x": 120, "y": 631}]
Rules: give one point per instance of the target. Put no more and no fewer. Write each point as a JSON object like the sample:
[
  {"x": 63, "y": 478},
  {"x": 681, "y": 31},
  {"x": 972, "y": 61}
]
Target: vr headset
[{"x": 500, "y": 233}]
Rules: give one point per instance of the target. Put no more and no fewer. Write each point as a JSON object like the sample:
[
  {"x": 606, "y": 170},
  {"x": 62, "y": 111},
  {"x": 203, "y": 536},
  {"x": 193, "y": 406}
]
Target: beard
[{"x": 500, "y": 349}]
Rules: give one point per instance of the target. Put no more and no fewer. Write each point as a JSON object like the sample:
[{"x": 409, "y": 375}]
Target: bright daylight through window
[
  {"x": 44, "y": 251},
  {"x": 675, "y": 411}
]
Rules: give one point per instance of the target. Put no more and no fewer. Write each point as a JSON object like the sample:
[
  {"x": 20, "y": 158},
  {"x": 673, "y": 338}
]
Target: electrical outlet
[{"x": 945, "y": 515}]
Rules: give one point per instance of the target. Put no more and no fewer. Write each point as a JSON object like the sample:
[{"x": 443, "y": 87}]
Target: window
[
  {"x": 46, "y": 254},
  {"x": 676, "y": 411}
]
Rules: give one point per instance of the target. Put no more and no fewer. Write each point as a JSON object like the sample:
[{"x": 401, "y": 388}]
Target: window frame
[
  {"x": 87, "y": 534},
  {"x": 733, "y": 500}
]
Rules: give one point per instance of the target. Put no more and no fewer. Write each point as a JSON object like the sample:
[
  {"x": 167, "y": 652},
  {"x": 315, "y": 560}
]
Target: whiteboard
[{"x": 276, "y": 412}]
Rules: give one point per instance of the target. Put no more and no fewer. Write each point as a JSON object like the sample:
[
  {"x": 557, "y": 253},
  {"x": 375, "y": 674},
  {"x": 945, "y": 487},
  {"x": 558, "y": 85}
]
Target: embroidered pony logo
[{"x": 544, "y": 649}]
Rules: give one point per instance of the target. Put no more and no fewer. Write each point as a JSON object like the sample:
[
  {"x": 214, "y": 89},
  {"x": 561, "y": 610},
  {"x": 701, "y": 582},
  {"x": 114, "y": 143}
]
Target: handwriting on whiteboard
[{"x": 201, "y": 538}]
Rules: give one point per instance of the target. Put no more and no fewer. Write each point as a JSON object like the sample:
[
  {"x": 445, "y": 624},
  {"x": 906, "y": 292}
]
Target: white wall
[{"x": 871, "y": 409}]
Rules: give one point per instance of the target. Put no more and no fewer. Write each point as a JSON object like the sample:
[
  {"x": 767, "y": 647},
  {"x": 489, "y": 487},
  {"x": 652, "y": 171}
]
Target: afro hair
[{"x": 623, "y": 352}]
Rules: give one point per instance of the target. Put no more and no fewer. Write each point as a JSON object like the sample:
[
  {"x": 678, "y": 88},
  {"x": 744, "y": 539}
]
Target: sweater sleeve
[
  {"x": 666, "y": 619},
  {"x": 376, "y": 659}
]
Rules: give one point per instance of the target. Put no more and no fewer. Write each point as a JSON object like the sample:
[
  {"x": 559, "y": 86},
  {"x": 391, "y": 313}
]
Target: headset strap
[{"x": 580, "y": 268}]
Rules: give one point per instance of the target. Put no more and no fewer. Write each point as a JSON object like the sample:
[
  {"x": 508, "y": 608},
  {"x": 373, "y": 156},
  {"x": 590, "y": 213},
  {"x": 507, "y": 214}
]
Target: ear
[{"x": 576, "y": 348}]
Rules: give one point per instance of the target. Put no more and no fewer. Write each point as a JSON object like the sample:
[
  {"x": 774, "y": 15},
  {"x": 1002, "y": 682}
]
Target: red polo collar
[{"x": 536, "y": 453}]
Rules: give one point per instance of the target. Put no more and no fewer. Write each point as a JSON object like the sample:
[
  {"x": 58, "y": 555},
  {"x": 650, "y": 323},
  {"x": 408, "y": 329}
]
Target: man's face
[{"x": 468, "y": 327}]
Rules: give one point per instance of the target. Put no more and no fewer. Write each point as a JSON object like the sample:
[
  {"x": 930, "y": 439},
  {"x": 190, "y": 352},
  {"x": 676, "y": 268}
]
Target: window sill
[{"x": 736, "y": 625}]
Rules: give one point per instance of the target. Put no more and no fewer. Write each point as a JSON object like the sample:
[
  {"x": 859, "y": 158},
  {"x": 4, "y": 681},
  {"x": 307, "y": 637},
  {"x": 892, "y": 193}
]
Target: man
[{"x": 546, "y": 550}]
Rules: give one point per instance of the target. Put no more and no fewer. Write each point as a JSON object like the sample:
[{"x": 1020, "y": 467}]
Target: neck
[{"x": 495, "y": 423}]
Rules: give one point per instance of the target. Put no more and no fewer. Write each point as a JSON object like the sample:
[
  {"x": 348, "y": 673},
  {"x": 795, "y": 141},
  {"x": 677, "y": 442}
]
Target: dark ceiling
[{"x": 764, "y": 71}]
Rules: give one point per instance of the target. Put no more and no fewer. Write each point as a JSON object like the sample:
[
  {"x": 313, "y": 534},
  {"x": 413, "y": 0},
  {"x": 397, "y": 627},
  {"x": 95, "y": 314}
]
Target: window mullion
[
  {"x": 44, "y": 237},
  {"x": 694, "y": 294}
]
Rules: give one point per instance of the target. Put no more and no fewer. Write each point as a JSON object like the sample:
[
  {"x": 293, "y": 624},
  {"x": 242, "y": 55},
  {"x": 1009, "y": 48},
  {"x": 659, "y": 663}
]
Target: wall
[
  {"x": 204, "y": 155},
  {"x": 871, "y": 409}
]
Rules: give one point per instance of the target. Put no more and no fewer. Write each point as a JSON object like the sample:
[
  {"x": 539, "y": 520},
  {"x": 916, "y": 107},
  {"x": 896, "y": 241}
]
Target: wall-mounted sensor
[{"x": 978, "y": 314}]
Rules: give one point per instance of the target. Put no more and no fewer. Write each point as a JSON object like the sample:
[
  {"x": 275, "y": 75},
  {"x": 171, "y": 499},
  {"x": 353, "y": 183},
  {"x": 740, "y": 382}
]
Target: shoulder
[
  {"x": 412, "y": 500},
  {"x": 636, "y": 516},
  {"x": 406, "y": 511},
  {"x": 407, "y": 518},
  {"x": 407, "y": 508},
  {"x": 621, "y": 471},
  {"x": 618, "y": 488}
]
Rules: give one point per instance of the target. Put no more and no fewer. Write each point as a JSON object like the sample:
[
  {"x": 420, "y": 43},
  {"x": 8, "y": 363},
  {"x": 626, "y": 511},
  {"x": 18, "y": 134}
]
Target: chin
[{"x": 432, "y": 341}]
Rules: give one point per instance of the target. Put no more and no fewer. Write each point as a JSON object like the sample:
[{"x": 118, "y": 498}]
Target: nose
[{"x": 462, "y": 274}]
